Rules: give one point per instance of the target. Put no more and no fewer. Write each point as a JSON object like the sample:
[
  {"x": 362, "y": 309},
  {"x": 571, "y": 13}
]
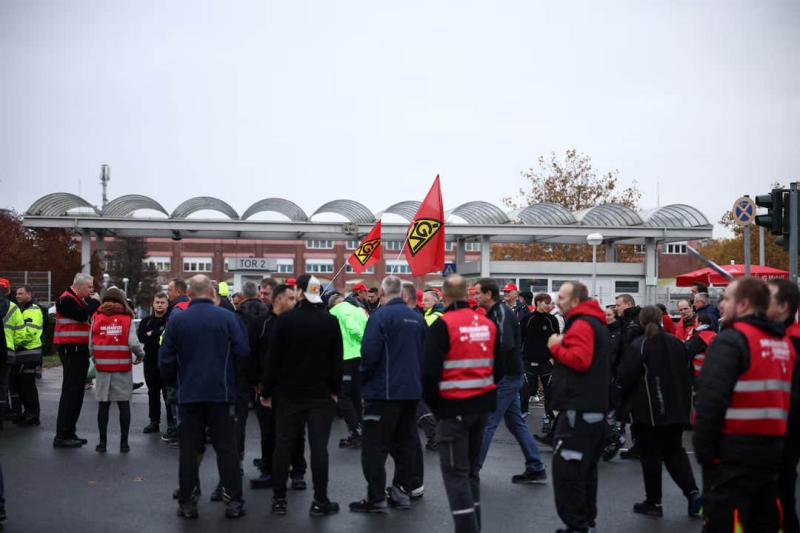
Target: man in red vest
[
  {"x": 743, "y": 398},
  {"x": 784, "y": 301},
  {"x": 458, "y": 383},
  {"x": 74, "y": 309}
]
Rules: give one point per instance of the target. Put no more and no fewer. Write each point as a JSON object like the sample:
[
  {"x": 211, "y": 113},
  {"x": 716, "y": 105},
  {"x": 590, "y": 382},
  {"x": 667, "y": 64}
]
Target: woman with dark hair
[
  {"x": 111, "y": 342},
  {"x": 652, "y": 373}
]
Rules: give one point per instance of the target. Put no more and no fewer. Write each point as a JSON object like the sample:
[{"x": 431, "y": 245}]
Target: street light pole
[{"x": 594, "y": 239}]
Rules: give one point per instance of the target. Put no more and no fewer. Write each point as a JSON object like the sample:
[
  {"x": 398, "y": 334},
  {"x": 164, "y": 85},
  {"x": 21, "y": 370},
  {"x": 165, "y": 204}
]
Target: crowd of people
[{"x": 453, "y": 362}]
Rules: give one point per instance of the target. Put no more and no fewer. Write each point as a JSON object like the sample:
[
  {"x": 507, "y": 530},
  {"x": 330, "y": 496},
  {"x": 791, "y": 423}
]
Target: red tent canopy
[{"x": 712, "y": 277}]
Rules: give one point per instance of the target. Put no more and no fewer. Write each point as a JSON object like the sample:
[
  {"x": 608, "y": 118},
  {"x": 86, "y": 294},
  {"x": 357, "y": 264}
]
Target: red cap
[
  {"x": 510, "y": 287},
  {"x": 292, "y": 282},
  {"x": 4, "y": 283},
  {"x": 419, "y": 298},
  {"x": 359, "y": 287},
  {"x": 437, "y": 291},
  {"x": 472, "y": 290}
]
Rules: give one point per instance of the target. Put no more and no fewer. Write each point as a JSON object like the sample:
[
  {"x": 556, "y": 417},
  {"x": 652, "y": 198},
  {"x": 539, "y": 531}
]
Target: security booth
[{"x": 251, "y": 269}]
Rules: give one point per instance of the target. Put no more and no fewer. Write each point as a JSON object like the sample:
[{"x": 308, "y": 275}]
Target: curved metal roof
[
  {"x": 287, "y": 208},
  {"x": 126, "y": 205},
  {"x": 201, "y": 203},
  {"x": 674, "y": 216},
  {"x": 480, "y": 213},
  {"x": 406, "y": 209},
  {"x": 58, "y": 204},
  {"x": 608, "y": 215},
  {"x": 350, "y": 209},
  {"x": 546, "y": 214}
]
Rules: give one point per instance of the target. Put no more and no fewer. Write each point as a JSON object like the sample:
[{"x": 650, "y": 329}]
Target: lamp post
[
  {"x": 594, "y": 239},
  {"x": 125, "y": 283}
]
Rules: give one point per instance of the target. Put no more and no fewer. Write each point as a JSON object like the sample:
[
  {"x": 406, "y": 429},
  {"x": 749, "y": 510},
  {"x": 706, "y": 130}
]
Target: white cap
[{"x": 313, "y": 291}]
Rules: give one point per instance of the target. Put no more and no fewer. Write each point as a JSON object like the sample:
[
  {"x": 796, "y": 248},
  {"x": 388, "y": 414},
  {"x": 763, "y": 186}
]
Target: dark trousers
[
  {"x": 578, "y": 442},
  {"x": 290, "y": 418},
  {"x": 22, "y": 385},
  {"x": 389, "y": 426},
  {"x": 266, "y": 423},
  {"x": 787, "y": 482},
  {"x": 425, "y": 420},
  {"x": 740, "y": 499},
  {"x": 350, "y": 399},
  {"x": 243, "y": 399},
  {"x": 156, "y": 391},
  {"x": 75, "y": 364},
  {"x": 536, "y": 373},
  {"x": 663, "y": 445},
  {"x": 220, "y": 418},
  {"x": 460, "y": 440}
]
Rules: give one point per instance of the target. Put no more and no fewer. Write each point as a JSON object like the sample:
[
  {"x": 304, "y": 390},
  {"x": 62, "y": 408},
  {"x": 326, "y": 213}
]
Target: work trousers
[
  {"x": 460, "y": 440},
  {"x": 350, "y": 399},
  {"x": 663, "y": 445},
  {"x": 75, "y": 364},
  {"x": 266, "y": 424},
  {"x": 155, "y": 392},
  {"x": 425, "y": 420},
  {"x": 578, "y": 442},
  {"x": 220, "y": 419},
  {"x": 290, "y": 418},
  {"x": 243, "y": 399},
  {"x": 787, "y": 482},
  {"x": 508, "y": 409},
  {"x": 738, "y": 498},
  {"x": 389, "y": 426},
  {"x": 22, "y": 385},
  {"x": 536, "y": 373}
]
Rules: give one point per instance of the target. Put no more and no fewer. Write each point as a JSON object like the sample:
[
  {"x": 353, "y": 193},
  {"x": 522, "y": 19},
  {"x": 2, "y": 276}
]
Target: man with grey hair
[
  {"x": 74, "y": 309},
  {"x": 391, "y": 358},
  {"x": 703, "y": 306}
]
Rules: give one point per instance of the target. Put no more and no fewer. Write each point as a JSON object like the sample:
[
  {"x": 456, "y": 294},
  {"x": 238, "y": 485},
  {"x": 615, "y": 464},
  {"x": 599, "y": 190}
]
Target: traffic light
[{"x": 776, "y": 218}]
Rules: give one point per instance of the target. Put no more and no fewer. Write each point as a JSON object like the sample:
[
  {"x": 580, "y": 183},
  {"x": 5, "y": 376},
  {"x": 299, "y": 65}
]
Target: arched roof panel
[
  {"x": 58, "y": 204},
  {"x": 674, "y": 216},
  {"x": 546, "y": 214},
  {"x": 287, "y": 208},
  {"x": 350, "y": 209},
  {"x": 126, "y": 205},
  {"x": 406, "y": 209},
  {"x": 608, "y": 215},
  {"x": 480, "y": 213},
  {"x": 203, "y": 203}
]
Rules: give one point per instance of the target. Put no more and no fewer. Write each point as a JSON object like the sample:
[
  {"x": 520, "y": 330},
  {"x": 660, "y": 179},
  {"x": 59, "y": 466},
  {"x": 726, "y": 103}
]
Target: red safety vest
[
  {"x": 110, "y": 343},
  {"x": 684, "y": 332},
  {"x": 70, "y": 331},
  {"x": 793, "y": 331},
  {"x": 760, "y": 401},
  {"x": 469, "y": 364},
  {"x": 697, "y": 361}
]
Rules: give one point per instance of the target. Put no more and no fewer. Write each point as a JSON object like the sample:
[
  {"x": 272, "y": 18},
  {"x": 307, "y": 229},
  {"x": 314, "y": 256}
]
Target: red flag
[
  {"x": 368, "y": 252},
  {"x": 425, "y": 239}
]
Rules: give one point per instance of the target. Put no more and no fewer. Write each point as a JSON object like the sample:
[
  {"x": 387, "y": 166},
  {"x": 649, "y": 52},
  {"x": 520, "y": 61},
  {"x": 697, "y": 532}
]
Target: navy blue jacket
[
  {"x": 199, "y": 351},
  {"x": 391, "y": 353}
]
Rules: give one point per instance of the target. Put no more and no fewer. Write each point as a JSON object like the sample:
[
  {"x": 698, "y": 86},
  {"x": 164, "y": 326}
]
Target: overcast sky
[{"x": 317, "y": 100}]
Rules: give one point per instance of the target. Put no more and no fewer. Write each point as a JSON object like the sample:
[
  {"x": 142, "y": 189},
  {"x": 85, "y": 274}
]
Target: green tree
[{"x": 126, "y": 259}]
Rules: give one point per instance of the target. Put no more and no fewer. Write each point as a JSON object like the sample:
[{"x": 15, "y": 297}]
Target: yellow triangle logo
[
  {"x": 365, "y": 251},
  {"x": 421, "y": 233}
]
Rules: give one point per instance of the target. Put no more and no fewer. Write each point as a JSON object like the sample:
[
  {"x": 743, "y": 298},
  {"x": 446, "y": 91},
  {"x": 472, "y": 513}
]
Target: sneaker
[
  {"x": 397, "y": 498},
  {"x": 264, "y": 481},
  {"x": 648, "y": 508},
  {"x": 363, "y": 506},
  {"x": 417, "y": 493},
  {"x": 169, "y": 435},
  {"x": 432, "y": 444},
  {"x": 173, "y": 444},
  {"x": 138, "y": 385},
  {"x": 352, "y": 441},
  {"x": 101, "y": 448},
  {"x": 218, "y": 494},
  {"x": 695, "y": 507},
  {"x": 531, "y": 477},
  {"x": 298, "y": 483},
  {"x": 546, "y": 439},
  {"x": 152, "y": 427},
  {"x": 323, "y": 508},
  {"x": 235, "y": 509},
  {"x": 195, "y": 493},
  {"x": 280, "y": 506},
  {"x": 525, "y": 414},
  {"x": 188, "y": 510},
  {"x": 616, "y": 441}
]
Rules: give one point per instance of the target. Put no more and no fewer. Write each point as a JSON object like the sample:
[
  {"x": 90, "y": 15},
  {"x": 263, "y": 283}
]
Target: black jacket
[
  {"x": 654, "y": 375},
  {"x": 149, "y": 332},
  {"x": 437, "y": 344},
  {"x": 727, "y": 358},
  {"x": 538, "y": 328},
  {"x": 508, "y": 345},
  {"x": 615, "y": 337},
  {"x": 69, "y": 308},
  {"x": 253, "y": 313},
  {"x": 305, "y": 354}
]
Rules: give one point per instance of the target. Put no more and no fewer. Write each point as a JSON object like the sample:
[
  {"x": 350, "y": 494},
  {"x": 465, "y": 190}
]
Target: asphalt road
[{"x": 79, "y": 490}]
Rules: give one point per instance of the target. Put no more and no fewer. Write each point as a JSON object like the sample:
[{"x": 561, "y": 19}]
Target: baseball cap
[
  {"x": 311, "y": 288},
  {"x": 291, "y": 282},
  {"x": 359, "y": 287},
  {"x": 510, "y": 287},
  {"x": 4, "y": 283}
]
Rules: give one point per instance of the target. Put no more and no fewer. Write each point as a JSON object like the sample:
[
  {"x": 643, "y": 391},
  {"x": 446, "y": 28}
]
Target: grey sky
[{"x": 313, "y": 101}]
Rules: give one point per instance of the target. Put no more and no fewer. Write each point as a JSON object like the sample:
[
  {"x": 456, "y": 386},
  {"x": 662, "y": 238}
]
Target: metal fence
[{"x": 39, "y": 281}]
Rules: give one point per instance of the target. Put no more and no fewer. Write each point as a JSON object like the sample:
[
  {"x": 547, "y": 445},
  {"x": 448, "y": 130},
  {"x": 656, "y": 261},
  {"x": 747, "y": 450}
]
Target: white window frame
[
  {"x": 162, "y": 263},
  {"x": 397, "y": 266},
  {"x": 392, "y": 246},
  {"x": 197, "y": 263},
  {"x": 319, "y": 266},
  {"x": 472, "y": 246},
  {"x": 675, "y": 248},
  {"x": 319, "y": 244},
  {"x": 285, "y": 266},
  {"x": 351, "y": 245}
]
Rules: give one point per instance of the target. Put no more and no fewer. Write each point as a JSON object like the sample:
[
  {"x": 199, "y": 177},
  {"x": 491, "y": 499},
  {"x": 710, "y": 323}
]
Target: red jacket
[
  {"x": 669, "y": 325},
  {"x": 577, "y": 347}
]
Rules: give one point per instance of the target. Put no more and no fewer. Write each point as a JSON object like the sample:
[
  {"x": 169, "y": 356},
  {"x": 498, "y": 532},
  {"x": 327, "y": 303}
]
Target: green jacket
[
  {"x": 431, "y": 315},
  {"x": 14, "y": 329},
  {"x": 352, "y": 322},
  {"x": 34, "y": 325}
]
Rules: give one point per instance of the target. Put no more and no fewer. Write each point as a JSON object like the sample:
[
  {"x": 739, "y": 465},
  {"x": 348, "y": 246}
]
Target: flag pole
[{"x": 330, "y": 283}]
